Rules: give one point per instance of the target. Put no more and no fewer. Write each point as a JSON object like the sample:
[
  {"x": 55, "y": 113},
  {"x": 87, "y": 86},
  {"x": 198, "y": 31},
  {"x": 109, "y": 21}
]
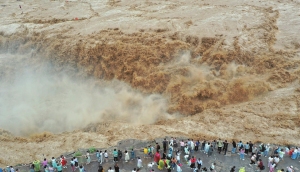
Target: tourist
[
  {"x": 247, "y": 147},
  {"x": 220, "y": 145},
  {"x": 157, "y": 157},
  {"x": 170, "y": 151},
  {"x": 182, "y": 145},
  {"x": 178, "y": 156},
  {"x": 88, "y": 158},
  {"x": 290, "y": 169},
  {"x": 117, "y": 169},
  {"x": 254, "y": 150},
  {"x": 192, "y": 146},
  {"x": 276, "y": 160},
  {"x": 45, "y": 162},
  {"x": 101, "y": 157},
  {"x": 139, "y": 163},
  {"x": 63, "y": 161},
  {"x": 54, "y": 164},
  {"x": 178, "y": 168},
  {"x": 212, "y": 167},
  {"x": 132, "y": 154},
  {"x": 120, "y": 154},
  {"x": 100, "y": 169},
  {"x": 126, "y": 156},
  {"x": 260, "y": 165},
  {"x": 115, "y": 154},
  {"x": 203, "y": 145},
  {"x": 51, "y": 169},
  {"x": 270, "y": 160},
  {"x": 206, "y": 147},
  {"x": 193, "y": 161},
  {"x": 250, "y": 146},
  {"x": 173, "y": 162},
  {"x": 161, "y": 164},
  {"x": 46, "y": 169},
  {"x": 151, "y": 151},
  {"x": 225, "y": 147},
  {"x": 199, "y": 163},
  {"x": 253, "y": 159},
  {"x": 106, "y": 156},
  {"x": 294, "y": 154},
  {"x": 72, "y": 162},
  {"x": 175, "y": 143},
  {"x": 233, "y": 150},
  {"x": 165, "y": 142},
  {"x": 258, "y": 155},
  {"x": 98, "y": 155},
  {"x": 186, "y": 150},
  {"x": 280, "y": 154},
  {"x": 59, "y": 168},
  {"x": 242, "y": 154},
  {"x": 110, "y": 170},
  {"x": 240, "y": 145},
  {"x": 76, "y": 162},
  {"x": 157, "y": 147},
  {"x": 31, "y": 168},
  {"x": 186, "y": 158},
  {"x": 232, "y": 169},
  {"x": 272, "y": 167},
  {"x": 145, "y": 152},
  {"x": 214, "y": 143},
  {"x": 134, "y": 170},
  {"x": 210, "y": 151},
  {"x": 197, "y": 145},
  {"x": 267, "y": 149}
]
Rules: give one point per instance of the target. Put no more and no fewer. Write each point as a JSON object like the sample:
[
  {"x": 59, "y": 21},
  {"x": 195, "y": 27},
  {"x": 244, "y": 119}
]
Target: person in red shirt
[
  {"x": 157, "y": 157},
  {"x": 63, "y": 161},
  {"x": 260, "y": 165},
  {"x": 193, "y": 162}
]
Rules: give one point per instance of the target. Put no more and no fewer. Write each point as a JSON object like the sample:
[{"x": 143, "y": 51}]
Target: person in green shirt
[
  {"x": 59, "y": 168},
  {"x": 115, "y": 154}
]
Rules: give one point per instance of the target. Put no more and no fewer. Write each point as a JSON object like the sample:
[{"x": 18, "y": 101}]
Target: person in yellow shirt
[{"x": 145, "y": 152}]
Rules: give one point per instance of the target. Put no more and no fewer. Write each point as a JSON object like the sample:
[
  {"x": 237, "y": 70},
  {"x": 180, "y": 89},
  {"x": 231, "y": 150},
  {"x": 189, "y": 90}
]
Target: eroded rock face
[{"x": 198, "y": 69}]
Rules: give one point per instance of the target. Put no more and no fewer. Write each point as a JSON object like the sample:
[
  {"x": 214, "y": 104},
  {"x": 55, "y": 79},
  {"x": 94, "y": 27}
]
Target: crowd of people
[{"x": 169, "y": 157}]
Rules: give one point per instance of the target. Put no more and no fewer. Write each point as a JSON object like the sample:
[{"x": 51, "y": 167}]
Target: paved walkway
[{"x": 223, "y": 163}]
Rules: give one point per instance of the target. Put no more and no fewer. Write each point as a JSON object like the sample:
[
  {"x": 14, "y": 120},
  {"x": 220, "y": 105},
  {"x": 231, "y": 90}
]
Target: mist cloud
[{"x": 41, "y": 100}]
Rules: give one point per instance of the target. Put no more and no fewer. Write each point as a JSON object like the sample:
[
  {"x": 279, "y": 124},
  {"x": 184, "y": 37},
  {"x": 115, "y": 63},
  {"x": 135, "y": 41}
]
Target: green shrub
[
  {"x": 92, "y": 150},
  {"x": 77, "y": 154}
]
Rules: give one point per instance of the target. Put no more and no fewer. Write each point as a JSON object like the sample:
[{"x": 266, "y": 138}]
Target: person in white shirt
[
  {"x": 178, "y": 157},
  {"x": 106, "y": 156},
  {"x": 171, "y": 142},
  {"x": 212, "y": 167},
  {"x": 178, "y": 168},
  {"x": 276, "y": 160},
  {"x": 134, "y": 170},
  {"x": 139, "y": 163},
  {"x": 199, "y": 163},
  {"x": 110, "y": 170},
  {"x": 12, "y": 169},
  {"x": 270, "y": 161}
]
